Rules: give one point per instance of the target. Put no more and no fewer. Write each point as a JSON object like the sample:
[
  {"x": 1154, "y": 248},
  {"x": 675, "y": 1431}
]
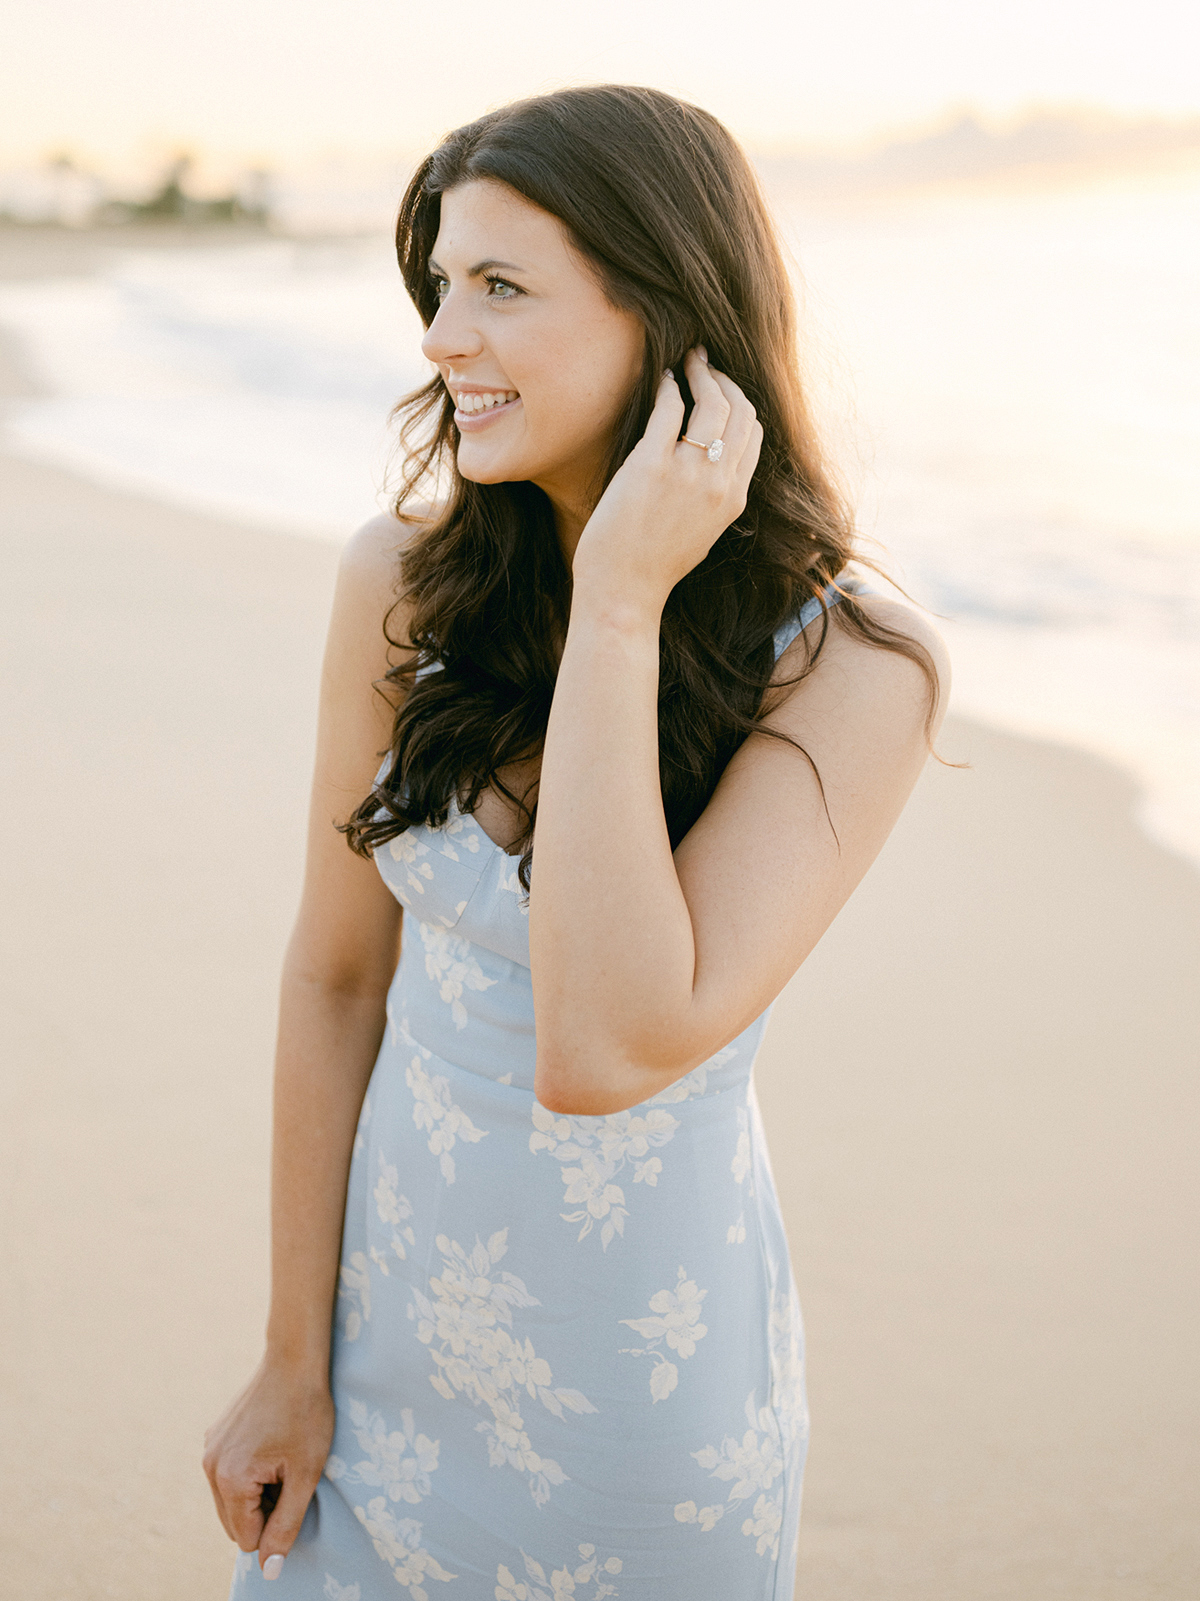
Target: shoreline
[
  {"x": 978, "y": 1092},
  {"x": 1056, "y": 672},
  {"x": 39, "y": 250}
]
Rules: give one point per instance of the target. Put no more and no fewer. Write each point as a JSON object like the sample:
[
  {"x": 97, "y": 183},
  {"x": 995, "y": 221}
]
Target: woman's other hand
[
  {"x": 668, "y": 504},
  {"x": 276, "y": 1433}
]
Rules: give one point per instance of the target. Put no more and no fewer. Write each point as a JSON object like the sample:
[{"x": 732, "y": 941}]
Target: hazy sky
[{"x": 281, "y": 79}]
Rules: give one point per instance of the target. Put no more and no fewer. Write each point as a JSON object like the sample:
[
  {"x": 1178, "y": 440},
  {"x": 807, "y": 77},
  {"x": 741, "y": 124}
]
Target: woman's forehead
[{"x": 486, "y": 221}]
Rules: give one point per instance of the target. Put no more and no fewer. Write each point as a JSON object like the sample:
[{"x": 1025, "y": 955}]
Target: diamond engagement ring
[{"x": 713, "y": 451}]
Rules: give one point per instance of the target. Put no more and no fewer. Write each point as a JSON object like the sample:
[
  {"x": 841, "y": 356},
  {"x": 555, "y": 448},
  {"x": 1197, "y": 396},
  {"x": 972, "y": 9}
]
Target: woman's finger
[
  {"x": 744, "y": 471},
  {"x": 283, "y": 1525},
  {"x": 740, "y": 424},
  {"x": 220, "y": 1506},
  {"x": 211, "y": 1469},
  {"x": 242, "y": 1499},
  {"x": 666, "y": 419},
  {"x": 710, "y": 414}
]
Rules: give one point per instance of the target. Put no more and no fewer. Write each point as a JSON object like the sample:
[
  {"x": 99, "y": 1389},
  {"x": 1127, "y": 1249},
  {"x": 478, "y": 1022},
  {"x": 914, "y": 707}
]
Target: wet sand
[{"x": 981, "y": 1093}]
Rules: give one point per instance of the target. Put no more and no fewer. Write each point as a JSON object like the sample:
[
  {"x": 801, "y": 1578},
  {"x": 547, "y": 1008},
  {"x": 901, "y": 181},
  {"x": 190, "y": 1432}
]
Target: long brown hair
[{"x": 657, "y": 196}]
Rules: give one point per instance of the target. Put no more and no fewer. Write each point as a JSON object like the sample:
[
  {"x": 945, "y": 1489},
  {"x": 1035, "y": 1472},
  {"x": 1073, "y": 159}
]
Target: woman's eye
[
  {"x": 440, "y": 286},
  {"x": 500, "y": 289}
]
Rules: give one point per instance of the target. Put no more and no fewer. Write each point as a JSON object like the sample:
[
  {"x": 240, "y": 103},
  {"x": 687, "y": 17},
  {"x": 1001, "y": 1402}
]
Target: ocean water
[
  {"x": 1007, "y": 380},
  {"x": 1012, "y": 384},
  {"x": 253, "y": 381}
]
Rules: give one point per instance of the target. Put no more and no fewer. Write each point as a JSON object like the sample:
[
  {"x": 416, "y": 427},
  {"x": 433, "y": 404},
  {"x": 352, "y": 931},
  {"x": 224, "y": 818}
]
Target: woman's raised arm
[{"x": 647, "y": 961}]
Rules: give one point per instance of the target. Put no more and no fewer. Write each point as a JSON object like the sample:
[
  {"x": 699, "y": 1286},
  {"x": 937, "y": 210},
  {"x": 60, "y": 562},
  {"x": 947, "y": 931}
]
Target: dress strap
[{"x": 808, "y": 613}]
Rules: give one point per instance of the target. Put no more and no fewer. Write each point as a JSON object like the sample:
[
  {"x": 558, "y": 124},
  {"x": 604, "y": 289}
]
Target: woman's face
[{"x": 539, "y": 363}]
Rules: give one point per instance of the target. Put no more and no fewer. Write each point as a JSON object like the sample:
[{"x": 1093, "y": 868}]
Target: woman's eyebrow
[{"x": 480, "y": 266}]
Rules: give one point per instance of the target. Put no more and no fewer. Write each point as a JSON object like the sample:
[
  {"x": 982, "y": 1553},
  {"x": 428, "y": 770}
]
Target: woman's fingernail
[
  {"x": 273, "y": 1567},
  {"x": 702, "y": 353}
]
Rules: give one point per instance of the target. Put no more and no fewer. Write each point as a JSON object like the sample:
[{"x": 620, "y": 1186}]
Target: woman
[{"x": 566, "y": 1354}]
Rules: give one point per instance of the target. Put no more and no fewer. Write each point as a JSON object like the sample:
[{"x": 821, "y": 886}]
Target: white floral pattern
[
  {"x": 742, "y": 1169},
  {"x": 392, "y": 1207},
  {"x": 456, "y": 831},
  {"x": 334, "y": 1591},
  {"x": 754, "y": 1463},
  {"x": 764, "y": 1523},
  {"x": 740, "y": 1166},
  {"x": 355, "y": 1287},
  {"x": 413, "y": 854},
  {"x": 434, "y": 1111},
  {"x": 451, "y": 964},
  {"x": 397, "y": 1542},
  {"x": 598, "y": 1149},
  {"x": 787, "y": 1369},
  {"x": 476, "y": 1354},
  {"x": 706, "y": 1516},
  {"x": 676, "y": 1321},
  {"x": 565, "y": 1583},
  {"x": 398, "y": 1461},
  {"x": 410, "y": 851}
]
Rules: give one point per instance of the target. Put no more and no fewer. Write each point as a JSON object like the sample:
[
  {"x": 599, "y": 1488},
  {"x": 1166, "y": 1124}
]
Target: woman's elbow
[{"x": 578, "y": 1081}]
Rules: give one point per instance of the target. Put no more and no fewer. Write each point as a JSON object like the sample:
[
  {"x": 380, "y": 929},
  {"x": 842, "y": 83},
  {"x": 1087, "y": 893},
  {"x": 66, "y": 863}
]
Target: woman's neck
[
  {"x": 569, "y": 524},
  {"x": 572, "y": 506}
]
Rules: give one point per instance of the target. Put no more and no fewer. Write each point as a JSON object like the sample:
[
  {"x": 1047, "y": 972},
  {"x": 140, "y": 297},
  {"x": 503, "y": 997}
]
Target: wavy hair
[{"x": 658, "y": 198}]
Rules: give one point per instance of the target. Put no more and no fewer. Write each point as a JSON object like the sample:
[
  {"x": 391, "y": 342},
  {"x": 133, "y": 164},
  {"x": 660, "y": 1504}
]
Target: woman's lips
[{"x": 470, "y": 422}]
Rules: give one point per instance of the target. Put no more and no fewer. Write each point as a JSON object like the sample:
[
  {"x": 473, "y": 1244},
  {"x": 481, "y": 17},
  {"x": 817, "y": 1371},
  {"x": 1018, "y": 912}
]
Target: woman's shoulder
[
  {"x": 375, "y": 548},
  {"x": 917, "y": 659},
  {"x": 368, "y": 584},
  {"x": 903, "y": 617},
  {"x": 896, "y": 654},
  {"x": 889, "y": 611}
]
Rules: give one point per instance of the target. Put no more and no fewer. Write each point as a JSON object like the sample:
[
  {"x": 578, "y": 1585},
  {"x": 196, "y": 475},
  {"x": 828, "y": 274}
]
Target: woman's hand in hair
[{"x": 668, "y": 504}]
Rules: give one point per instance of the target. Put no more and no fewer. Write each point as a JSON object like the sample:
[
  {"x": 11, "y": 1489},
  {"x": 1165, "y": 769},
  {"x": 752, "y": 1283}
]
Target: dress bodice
[{"x": 457, "y": 879}]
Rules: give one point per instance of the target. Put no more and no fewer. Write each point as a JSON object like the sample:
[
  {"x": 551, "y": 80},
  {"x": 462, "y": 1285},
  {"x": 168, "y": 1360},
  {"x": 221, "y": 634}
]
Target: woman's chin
[
  {"x": 488, "y": 467},
  {"x": 485, "y": 475}
]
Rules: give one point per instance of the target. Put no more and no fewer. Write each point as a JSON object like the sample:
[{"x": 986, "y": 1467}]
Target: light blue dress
[{"x": 568, "y": 1357}]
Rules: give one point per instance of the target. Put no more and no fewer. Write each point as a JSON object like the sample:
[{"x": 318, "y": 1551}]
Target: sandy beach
[{"x": 981, "y": 1094}]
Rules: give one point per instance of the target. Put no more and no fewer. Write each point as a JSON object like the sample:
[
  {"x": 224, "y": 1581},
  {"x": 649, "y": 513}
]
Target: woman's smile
[{"x": 475, "y": 408}]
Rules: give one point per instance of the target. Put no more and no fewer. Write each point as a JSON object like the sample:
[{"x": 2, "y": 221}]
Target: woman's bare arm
[
  {"x": 646, "y": 962},
  {"x": 338, "y": 967}
]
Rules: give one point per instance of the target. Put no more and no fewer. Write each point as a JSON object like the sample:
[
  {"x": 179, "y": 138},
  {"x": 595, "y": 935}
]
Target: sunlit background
[{"x": 994, "y": 212}]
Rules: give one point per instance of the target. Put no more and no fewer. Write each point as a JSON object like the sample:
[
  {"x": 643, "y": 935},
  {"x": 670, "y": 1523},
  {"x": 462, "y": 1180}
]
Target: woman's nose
[{"x": 451, "y": 336}]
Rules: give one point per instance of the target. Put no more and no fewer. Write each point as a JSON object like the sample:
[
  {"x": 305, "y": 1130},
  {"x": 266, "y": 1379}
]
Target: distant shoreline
[
  {"x": 1048, "y": 149},
  {"x": 32, "y": 250}
]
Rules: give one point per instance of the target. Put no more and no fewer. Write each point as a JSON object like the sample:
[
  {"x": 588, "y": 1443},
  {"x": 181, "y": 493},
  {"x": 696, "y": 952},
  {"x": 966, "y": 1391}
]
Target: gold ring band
[{"x": 712, "y": 451}]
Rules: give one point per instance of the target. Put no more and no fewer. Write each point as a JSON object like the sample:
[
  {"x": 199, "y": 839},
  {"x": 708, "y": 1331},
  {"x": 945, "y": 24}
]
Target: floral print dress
[{"x": 568, "y": 1358}]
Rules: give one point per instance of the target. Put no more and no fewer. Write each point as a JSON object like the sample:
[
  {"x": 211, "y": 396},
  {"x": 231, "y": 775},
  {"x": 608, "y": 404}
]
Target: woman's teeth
[{"x": 475, "y": 402}]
